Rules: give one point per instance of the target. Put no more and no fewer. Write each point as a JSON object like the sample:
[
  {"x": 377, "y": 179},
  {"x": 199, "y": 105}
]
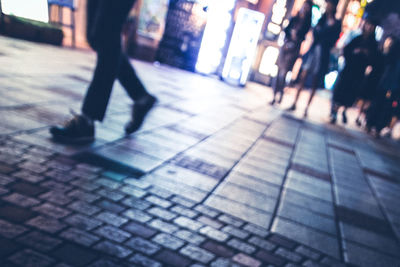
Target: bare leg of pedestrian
[{"x": 303, "y": 77}]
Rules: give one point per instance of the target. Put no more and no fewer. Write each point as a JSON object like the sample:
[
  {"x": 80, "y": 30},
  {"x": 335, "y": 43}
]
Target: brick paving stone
[
  {"x": 207, "y": 210},
  {"x": 83, "y": 195},
  {"x": 282, "y": 241},
  {"x": 33, "y": 167},
  {"x": 222, "y": 262},
  {"x": 163, "y": 226},
  {"x": 109, "y": 194},
  {"x": 159, "y": 201},
  {"x": 183, "y": 201},
  {"x": 79, "y": 236},
  {"x": 144, "y": 261},
  {"x": 137, "y": 215},
  {"x": 140, "y": 230},
  {"x": 46, "y": 224},
  {"x": 242, "y": 246},
  {"x": 208, "y": 221},
  {"x": 143, "y": 245},
  {"x": 21, "y": 200},
  {"x": 162, "y": 193},
  {"x": 197, "y": 254},
  {"x": 112, "y": 233},
  {"x": 114, "y": 176},
  {"x": 56, "y": 198},
  {"x": 168, "y": 241},
  {"x": 218, "y": 249},
  {"x": 113, "y": 249},
  {"x": 52, "y": 211},
  {"x": 59, "y": 176},
  {"x": 3, "y": 191},
  {"x": 89, "y": 168},
  {"x": 136, "y": 203},
  {"x": 7, "y": 247},
  {"x": 15, "y": 214},
  {"x": 184, "y": 211},
  {"x": 172, "y": 258},
  {"x": 254, "y": 229},
  {"x": 162, "y": 213},
  {"x": 110, "y": 206},
  {"x": 246, "y": 260},
  {"x": 5, "y": 180},
  {"x": 214, "y": 234},
  {"x": 75, "y": 255},
  {"x": 28, "y": 189},
  {"x": 39, "y": 241},
  {"x": 289, "y": 255},
  {"x": 111, "y": 218},
  {"x": 85, "y": 184},
  {"x": 190, "y": 237},
  {"x": 309, "y": 253},
  {"x": 133, "y": 191},
  {"x": 108, "y": 183},
  {"x": 270, "y": 258},
  {"x": 6, "y": 169},
  {"x": 197, "y": 265},
  {"x": 104, "y": 263},
  {"x": 138, "y": 183},
  {"x": 56, "y": 186},
  {"x": 262, "y": 243},
  {"x": 188, "y": 223},
  {"x": 230, "y": 220},
  {"x": 82, "y": 222},
  {"x": 83, "y": 207},
  {"x": 235, "y": 232},
  {"x": 30, "y": 258},
  {"x": 292, "y": 265},
  {"x": 28, "y": 176},
  {"x": 310, "y": 263}
]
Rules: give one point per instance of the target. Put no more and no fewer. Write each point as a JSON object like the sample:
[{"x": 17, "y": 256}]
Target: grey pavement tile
[
  {"x": 307, "y": 202},
  {"x": 308, "y": 218},
  {"x": 309, "y": 189},
  {"x": 245, "y": 196},
  {"x": 187, "y": 177},
  {"x": 370, "y": 239},
  {"x": 239, "y": 210},
  {"x": 363, "y": 256},
  {"x": 307, "y": 236},
  {"x": 306, "y": 178},
  {"x": 359, "y": 205},
  {"x": 29, "y": 257},
  {"x": 254, "y": 184}
]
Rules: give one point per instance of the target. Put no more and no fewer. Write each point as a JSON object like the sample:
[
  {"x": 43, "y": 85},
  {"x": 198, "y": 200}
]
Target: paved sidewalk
[{"x": 214, "y": 178}]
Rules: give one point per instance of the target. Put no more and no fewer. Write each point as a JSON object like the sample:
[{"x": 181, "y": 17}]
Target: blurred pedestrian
[
  {"x": 295, "y": 34},
  {"x": 360, "y": 53},
  {"x": 385, "y": 104},
  {"x": 105, "y": 20},
  {"x": 316, "y": 60}
]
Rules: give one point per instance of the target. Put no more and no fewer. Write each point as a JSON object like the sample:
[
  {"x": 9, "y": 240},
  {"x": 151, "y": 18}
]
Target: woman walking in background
[
  {"x": 295, "y": 33},
  {"x": 360, "y": 53},
  {"x": 316, "y": 60}
]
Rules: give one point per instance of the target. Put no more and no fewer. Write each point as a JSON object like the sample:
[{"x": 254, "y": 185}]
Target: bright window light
[
  {"x": 30, "y": 9},
  {"x": 268, "y": 61},
  {"x": 275, "y": 29},
  {"x": 330, "y": 79}
]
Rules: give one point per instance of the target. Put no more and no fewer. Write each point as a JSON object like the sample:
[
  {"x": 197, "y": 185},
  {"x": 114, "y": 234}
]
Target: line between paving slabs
[
  {"x": 237, "y": 162},
  {"x": 278, "y": 201},
  {"x": 374, "y": 193},
  {"x": 334, "y": 200}
]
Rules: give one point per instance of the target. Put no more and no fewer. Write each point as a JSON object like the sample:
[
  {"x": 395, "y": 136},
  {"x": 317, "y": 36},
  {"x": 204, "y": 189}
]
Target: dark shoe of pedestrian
[
  {"x": 358, "y": 122},
  {"x": 333, "y": 119},
  {"x": 139, "y": 112},
  {"x": 344, "y": 118},
  {"x": 78, "y": 130},
  {"x": 292, "y": 107},
  {"x": 272, "y": 102},
  {"x": 305, "y": 113}
]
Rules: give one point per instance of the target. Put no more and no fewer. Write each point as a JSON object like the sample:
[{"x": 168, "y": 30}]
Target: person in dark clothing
[
  {"x": 105, "y": 20},
  {"x": 360, "y": 53},
  {"x": 316, "y": 60},
  {"x": 385, "y": 104},
  {"x": 295, "y": 33}
]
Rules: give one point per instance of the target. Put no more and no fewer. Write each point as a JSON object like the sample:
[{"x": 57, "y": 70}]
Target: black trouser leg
[{"x": 105, "y": 21}]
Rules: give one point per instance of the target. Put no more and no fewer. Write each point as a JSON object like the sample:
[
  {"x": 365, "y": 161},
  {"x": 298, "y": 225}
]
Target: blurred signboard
[
  {"x": 66, "y": 3},
  {"x": 29, "y": 9},
  {"x": 152, "y": 18}
]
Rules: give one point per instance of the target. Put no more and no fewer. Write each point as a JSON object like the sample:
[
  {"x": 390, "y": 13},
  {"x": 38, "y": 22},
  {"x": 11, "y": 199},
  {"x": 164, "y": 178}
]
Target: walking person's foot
[
  {"x": 292, "y": 107},
  {"x": 78, "y": 130},
  {"x": 305, "y": 113},
  {"x": 139, "y": 112},
  {"x": 272, "y": 102},
  {"x": 344, "y": 118},
  {"x": 333, "y": 119},
  {"x": 358, "y": 122}
]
